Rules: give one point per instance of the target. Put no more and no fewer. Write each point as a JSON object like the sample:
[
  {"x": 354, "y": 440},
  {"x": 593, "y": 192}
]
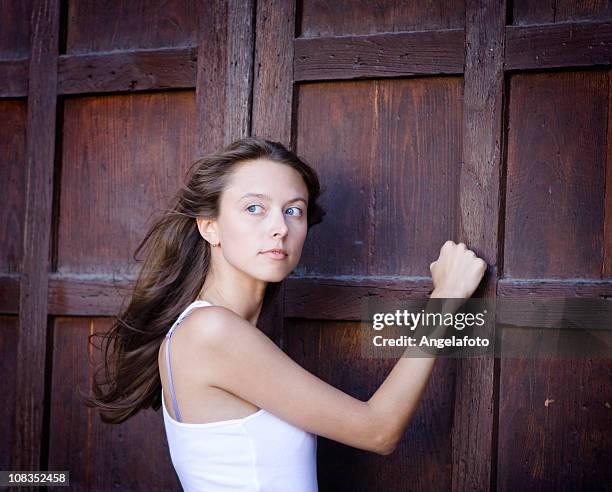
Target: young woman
[{"x": 239, "y": 414}]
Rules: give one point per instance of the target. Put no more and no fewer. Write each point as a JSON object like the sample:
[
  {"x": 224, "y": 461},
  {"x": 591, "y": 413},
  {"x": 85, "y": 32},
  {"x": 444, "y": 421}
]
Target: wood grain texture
[
  {"x": 273, "y": 91},
  {"x": 128, "y": 71},
  {"x": 8, "y": 369},
  {"x": 14, "y": 77},
  {"x": 224, "y": 73},
  {"x": 556, "y": 175},
  {"x": 556, "y": 433},
  {"x": 475, "y": 425},
  {"x": 606, "y": 264},
  {"x": 558, "y": 11},
  {"x": 379, "y": 55},
  {"x": 122, "y": 159},
  {"x": 563, "y": 45},
  {"x": 15, "y": 32},
  {"x": 13, "y": 120},
  {"x": 9, "y": 293},
  {"x": 108, "y": 26},
  {"x": 554, "y": 288},
  {"x": 40, "y": 150},
  {"x": 320, "y": 18},
  {"x": 391, "y": 182}
]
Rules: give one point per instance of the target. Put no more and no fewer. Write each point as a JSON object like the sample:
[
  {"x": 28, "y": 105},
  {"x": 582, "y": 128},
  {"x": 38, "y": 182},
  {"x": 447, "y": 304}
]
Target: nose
[{"x": 279, "y": 226}]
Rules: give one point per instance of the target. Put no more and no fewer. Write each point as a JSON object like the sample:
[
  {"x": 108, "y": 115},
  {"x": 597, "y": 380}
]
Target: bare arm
[
  {"x": 239, "y": 358},
  {"x": 398, "y": 396},
  {"x": 455, "y": 275}
]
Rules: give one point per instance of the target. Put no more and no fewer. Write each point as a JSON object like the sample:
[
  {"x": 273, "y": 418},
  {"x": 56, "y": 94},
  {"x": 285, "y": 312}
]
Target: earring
[{"x": 214, "y": 245}]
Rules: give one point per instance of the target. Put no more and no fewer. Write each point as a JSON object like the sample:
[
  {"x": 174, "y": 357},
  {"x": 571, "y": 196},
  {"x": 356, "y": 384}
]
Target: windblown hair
[{"x": 176, "y": 262}]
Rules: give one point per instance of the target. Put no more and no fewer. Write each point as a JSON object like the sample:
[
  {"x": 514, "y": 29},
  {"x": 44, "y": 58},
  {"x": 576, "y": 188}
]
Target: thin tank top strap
[{"x": 179, "y": 320}]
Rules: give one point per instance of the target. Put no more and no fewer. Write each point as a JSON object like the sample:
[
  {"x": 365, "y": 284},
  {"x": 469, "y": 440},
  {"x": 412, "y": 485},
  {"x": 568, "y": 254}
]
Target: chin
[{"x": 274, "y": 277}]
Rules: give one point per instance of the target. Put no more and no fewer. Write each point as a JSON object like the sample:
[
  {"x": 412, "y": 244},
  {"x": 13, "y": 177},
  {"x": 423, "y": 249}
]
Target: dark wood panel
[
  {"x": 8, "y": 370},
  {"x": 336, "y": 136},
  {"x": 225, "y": 73},
  {"x": 395, "y": 212},
  {"x": 530, "y": 12},
  {"x": 80, "y": 442},
  {"x": 559, "y": 412},
  {"x": 415, "y": 173},
  {"x": 9, "y": 293},
  {"x": 14, "y": 78},
  {"x": 115, "y": 25},
  {"x": 556, "y": 175},
  {"x": 563, "y": 45},
  {"x": 12, "y": 183},
  {"x": 123, "y": 157},
  {"x": 606, "y": 266},
  {"x": 379, "y": 55},
  {"x": 15, "y": 29},
  {"x": 134, "y": 70},
  {"x": 344, "y": 17},
  {"x": 33, "y": 294}
]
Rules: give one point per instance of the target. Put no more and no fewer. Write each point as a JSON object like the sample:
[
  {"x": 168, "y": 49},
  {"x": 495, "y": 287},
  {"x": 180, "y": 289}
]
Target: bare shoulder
[{"x": 211, "y": 326}]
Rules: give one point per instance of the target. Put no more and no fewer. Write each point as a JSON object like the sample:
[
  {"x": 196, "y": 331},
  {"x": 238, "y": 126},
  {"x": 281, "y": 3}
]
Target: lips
[{"x": 277, "y": 254}]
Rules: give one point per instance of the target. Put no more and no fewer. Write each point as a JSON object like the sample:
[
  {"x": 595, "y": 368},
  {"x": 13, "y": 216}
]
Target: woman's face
[{"x": 263, "y": 207}]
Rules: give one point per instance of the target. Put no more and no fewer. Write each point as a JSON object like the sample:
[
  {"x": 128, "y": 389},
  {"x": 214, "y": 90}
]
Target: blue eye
[
  {"x": 251, "y": 206},
  {"x": 296, "y": 208}
]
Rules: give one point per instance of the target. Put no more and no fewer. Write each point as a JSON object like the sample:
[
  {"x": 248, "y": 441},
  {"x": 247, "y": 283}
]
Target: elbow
[
  {"x": 384, "y": 442},
  {"x": 385, "y": 445},
  {"x": 385, "y": 449}
]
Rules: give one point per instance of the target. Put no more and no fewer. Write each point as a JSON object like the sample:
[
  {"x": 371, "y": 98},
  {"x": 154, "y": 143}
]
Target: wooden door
[{"x": 482, "y": 122}]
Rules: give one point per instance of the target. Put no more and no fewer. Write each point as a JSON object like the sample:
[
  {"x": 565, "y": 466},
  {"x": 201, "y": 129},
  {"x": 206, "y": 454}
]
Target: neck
[{"x": 233, "y": 290}]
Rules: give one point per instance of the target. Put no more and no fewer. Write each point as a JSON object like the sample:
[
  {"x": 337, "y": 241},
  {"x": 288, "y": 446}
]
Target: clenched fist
[{"x": 457, "y": 271}]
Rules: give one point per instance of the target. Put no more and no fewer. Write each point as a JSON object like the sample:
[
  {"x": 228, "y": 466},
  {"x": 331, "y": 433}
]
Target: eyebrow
[{"x": 261, "y": 195}]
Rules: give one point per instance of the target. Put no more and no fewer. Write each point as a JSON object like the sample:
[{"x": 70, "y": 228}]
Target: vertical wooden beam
[
  {"x": 474, "y": 429},
  {"x": 40, "y": 150},
  {"x": 224, "y": 72},
  {"x": 273, "y": 103},
  {"x": 273, "y": 77},
  {"x": 606, "y": 264}
]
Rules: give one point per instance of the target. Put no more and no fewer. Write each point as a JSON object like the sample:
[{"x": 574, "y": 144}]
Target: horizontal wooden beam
[
  {"x": 87, "y": 295},
  {"x": 431, "y": 52},
  {"x": 559, "y": 45},
  {"x": 341, "y": 297},
  {"x": 554, "y": 288},
  {"x": 379, "y": 55},
  {"x": 128, "y": 71},
  {"x": 14, "y": 77},
  {"x": 336, "y": 297}
]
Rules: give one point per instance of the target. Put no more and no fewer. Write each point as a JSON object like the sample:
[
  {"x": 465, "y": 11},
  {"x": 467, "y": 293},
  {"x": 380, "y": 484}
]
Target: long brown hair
[{"x": 176, "y": 261}]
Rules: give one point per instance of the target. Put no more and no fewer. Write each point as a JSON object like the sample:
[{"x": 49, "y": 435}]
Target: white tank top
[{"x": 259, "y": 452}]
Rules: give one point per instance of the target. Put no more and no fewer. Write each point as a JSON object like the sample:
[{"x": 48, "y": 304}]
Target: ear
[{"x": 208, "y": 229}]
